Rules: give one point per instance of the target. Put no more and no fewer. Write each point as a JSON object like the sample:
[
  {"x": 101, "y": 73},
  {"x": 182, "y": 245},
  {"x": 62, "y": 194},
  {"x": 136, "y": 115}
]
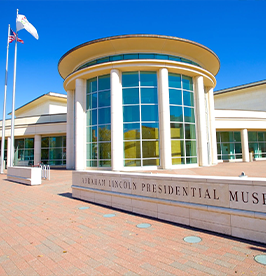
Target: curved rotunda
[{"x": 140, "y": 102}]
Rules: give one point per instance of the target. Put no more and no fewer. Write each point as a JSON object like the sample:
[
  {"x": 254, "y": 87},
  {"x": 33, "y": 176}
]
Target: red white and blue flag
[{"x": 12, "y": 36}]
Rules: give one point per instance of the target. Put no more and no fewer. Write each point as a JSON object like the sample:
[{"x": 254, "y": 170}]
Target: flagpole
[
  {"x": 13, "y": 102},
  {"x": 4, "y": 107}
]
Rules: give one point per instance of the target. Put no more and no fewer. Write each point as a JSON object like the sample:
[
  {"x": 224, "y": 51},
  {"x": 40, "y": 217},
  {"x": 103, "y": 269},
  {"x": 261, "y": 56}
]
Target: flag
[
  {"x": 12, "y": 37},
  {"x": 23, "y": 23}
]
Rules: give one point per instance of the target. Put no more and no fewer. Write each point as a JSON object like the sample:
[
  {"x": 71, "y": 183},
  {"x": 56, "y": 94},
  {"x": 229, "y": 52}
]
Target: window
[
  {"x": 53, "y": 150},
  {"x": 140, "y": 119},
  {"x": 228, "y": 145},
  {"x": 182, "y": 120},
  {"x": 257, "y": 143},
  {"x": 98, "y": 122},
  {"x": 24, "y": 152}
]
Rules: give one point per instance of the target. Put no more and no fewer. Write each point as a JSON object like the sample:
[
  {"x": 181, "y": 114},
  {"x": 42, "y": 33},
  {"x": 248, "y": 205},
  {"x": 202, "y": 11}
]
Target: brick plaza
[{"x": 44, "y": 231}]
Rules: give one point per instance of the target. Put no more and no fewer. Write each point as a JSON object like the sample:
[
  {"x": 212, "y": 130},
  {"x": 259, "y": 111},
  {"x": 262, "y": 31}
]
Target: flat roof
[{"x": 137, "y": 43}]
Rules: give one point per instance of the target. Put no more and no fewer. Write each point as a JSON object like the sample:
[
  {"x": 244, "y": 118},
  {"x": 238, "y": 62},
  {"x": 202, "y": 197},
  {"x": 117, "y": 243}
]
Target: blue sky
[{"x": 234, "y": 30}]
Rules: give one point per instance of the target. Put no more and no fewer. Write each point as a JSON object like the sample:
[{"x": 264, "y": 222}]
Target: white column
[
  {"x": 244, "y": 144},
  {"x": 116, "y": 120},
  {"x": 201, "y": 122},
  {"x": 164, "y": 119},
  {"x": 212, "y": 127},
  {"x": 37, "y": 149},
  {"x": 80, "y": 124},
  {"x": 8, "y": 152},
  {"x": 70, "y": 156}
]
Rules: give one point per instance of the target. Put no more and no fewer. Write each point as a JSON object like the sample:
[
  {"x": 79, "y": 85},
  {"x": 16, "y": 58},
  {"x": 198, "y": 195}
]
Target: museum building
[{"x": 141, "y": 102}]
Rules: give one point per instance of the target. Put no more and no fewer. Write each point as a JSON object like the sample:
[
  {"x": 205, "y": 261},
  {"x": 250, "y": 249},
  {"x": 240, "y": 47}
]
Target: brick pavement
[{"x": 43, "y": 232}]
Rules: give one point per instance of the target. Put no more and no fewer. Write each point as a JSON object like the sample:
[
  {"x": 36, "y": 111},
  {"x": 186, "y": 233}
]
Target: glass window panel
[
  {"x": 146, "y": 56},
  {"x": 64, "y": 153},
  {"x": 150, "y": 131},
  {"x": 64, "y": 141},
  {"x": 92, "y": 134},
  {"x": 189, "y": 115},
  {"x": 174, "y": 80},
  {"x": 150, "y": 149},
  {"x": 175, "y": 96},
  {"x": 104, "y": 150},
  {"x": 19, "y": 143},
  {"x": 158, "y": 56},
  {"x": 253, "y": 147},
  {"x": 91, "y": 85},
  {"x": 58, "y": 141},
  {"x": 55, "y": 153},
  {"x": 237, "y": 136},
  {"x": 29, "y": 154},
  {"x": 176, "y": 113},
  {"x": 132, "y": 149},
  {"x": 149, "y": 95},
  {"x": 105, "y": 133},
  {"x": 238, "y": 148},
  {"x": 104, "y": 163},
  {"x": 263, "y": 147},
  {"x": 131, "y": 113},
  {"x": 148, "y": 79},
  {"x": 45, "y": 142},
  {"x": 227, "y": 148},
  {"x": 149, "y": 113},
  {"x": 188, "y": 98},
  {"x": 104, "y": 115},
  {"x": 91, "y": 163},
  {"x": 131, "y": 56},
  {"x": 151, "y": 162},
  {"x": 178, "y": 161},
  {"x": 219, "y": 148},
  {"x": 192, "y": 160},
  {"x": 104, "y": 98},
  {"x": 177, "y": 148},
  {"x": 131, "y": 96},
  {"x": 218, "y": 136},
  {"x": 225, "y": 157},
  {"x": 174, "y": 58},
  {"x": 261, "y": 136},
  {"x": 130, "y": 79},
  {"x": 252, "y": 136},
  {"x": 186, "y": 60},
  {"x": 177, "y": 131},
  {"x": 104, "y": 82},
  {"x": 132, "y": 163},
  {"x": 29, "y": 143},
  {"x": 191, "y": 148},
  {"x": 102, "y": 60},
  {"x": 131, "y": 131},
  {"x": 91, "y": 101},
  {"x": 92, "y": 151},
  {"x": 190, "y": 131},
  {"x": 117, "y": 57},
  {"x": 187, "y": 83},
  {"x": 92, "y": 117},
  {"x": 225, "y": 137}
]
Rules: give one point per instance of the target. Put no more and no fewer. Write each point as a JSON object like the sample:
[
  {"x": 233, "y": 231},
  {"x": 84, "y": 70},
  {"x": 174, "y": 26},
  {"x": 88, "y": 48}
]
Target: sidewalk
[{"x": 44, "y": 231}]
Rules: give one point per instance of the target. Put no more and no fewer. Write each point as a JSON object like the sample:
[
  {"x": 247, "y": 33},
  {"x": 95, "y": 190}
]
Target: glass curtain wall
[
  {"x": 229, "y": 145},
  {"x": 257, "y": 143},
  {"x": 24, "y": 152},
  {"x": 182, "y": 120},
  {"x": 53, "y": 150},
  {"x": 98, "y": 122},
  {"x": 140, "y": 119}
]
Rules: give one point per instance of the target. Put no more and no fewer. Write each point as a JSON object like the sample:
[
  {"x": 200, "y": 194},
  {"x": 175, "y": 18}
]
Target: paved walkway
[{"x": 43, "y": 231}]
